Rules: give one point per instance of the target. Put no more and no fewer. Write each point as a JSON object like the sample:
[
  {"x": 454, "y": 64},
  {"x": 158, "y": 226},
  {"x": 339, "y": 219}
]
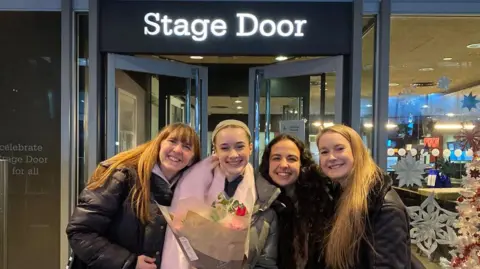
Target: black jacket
[
  {"x": 387, "y": 230},
  {"x": 104, "y": 231}
]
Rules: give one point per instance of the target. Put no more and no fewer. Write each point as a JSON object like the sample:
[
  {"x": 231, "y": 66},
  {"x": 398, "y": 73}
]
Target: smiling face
[
  {"x": 175, "y": 154},
  {"x": 284, "y": 163},
  {"x": 233, "y": 148},
  {"x": 336, "y": 156}
]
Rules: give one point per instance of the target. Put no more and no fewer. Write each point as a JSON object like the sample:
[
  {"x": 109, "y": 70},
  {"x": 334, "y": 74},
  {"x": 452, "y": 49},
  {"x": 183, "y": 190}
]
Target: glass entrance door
[
  {"x": 316, "y": 101},
  {"x": 144, "y": 94}
]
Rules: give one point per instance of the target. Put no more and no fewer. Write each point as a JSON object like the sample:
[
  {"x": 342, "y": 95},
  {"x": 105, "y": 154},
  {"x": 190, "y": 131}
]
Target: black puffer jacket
[
  {"x": 104, "y": 231},
  {"x": 387, "y": 230}
]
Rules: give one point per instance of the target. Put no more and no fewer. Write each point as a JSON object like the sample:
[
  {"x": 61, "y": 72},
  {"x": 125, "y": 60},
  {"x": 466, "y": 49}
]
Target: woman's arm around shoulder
[
  {"x": 390, "y": 235},
  {"x": 91, "y": 219},
  {"x": 268, "y": 257}
]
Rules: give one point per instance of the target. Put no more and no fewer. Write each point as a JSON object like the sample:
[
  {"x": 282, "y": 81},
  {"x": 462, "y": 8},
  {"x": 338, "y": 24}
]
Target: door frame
[
  {"x": 289, "y": 69},
  {"x": 154, "y": 67}
]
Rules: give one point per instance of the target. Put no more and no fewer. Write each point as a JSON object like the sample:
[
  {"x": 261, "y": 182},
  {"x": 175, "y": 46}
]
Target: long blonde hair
[
  {"x": 143, "y": 158},
  {"x": 348, "y": 227}
]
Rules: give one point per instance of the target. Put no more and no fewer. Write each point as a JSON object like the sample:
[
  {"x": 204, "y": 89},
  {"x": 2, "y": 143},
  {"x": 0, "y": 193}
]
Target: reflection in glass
[
  {"x": 432, "y": 74},
  {"x": 366, "y": 102},
  {"x": 127, "y": 120}
]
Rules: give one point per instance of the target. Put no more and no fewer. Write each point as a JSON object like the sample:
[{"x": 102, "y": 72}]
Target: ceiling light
[
  {"x": 425, "y": 106},
  {"x": 239, "y": 107},
  {"x": 368, "y": 125},
  {"x": 281, "y": 58},
  {"x": 317, "y": 123},
  {"x": 196, "y": 57},
  {"x": 446, "y": 126},
  {"x": 369, "y": 105},
  {"x": 393, "y": 84},
  {"x": 474, "y": 46},
  {"x": 238, "y": 101},
  {"x": 447, "y": 59},
  {"x": 426, "y": 69},
  {"x": 450, "y": 114}
]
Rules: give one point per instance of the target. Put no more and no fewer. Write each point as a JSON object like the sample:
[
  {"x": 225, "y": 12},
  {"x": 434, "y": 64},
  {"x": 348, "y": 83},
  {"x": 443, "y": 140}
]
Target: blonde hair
[
  {"x": 144, "y": 158},
  {"x": 348, "y": 227},
  {"x": 231, "y": 124}
]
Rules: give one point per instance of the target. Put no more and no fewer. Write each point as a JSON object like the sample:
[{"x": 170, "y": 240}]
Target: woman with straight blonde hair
[
  {"x": 370, "y": 227},
  {"x": 116, "y": 224}
]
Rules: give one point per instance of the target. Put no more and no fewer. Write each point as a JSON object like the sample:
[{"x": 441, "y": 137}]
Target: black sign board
[{"x": 226, "y": 28}]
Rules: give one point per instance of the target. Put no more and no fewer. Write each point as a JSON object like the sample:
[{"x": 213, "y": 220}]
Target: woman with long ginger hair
[
  {"x": 370, "y": 228},
  {"x": 116, "y": 224}
]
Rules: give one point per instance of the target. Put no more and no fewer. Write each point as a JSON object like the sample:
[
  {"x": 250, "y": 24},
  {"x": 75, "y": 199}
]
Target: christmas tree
[{"x": 467, "y": 245}]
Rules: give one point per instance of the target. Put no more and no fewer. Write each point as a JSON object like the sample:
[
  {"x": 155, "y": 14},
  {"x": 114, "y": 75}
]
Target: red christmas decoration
[{"x": 469, "y": 139}]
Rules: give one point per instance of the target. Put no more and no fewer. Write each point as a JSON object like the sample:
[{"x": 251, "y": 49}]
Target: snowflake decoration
[
  {"x": 469, "y": 138},
  {"x": 470, "y": 101},
  {"x": 410, "y": 171},
  {"x": 432, "y": 225},
  {"x": 473, "y": 170},
  {"x": 475, "y": 173},
  {"x": 444, "y": 83}
]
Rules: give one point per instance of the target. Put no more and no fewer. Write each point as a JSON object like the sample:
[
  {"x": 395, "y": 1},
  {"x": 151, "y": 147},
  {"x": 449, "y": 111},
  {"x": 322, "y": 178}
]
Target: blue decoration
[
  {"x": 470, "y": 101},
  {"x": 443, "y": 181},
  {"x": 444, "y": 83}
]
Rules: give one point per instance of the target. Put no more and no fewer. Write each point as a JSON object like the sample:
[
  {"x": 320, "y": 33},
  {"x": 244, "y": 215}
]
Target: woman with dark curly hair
[{"x": 306, "y": 203}]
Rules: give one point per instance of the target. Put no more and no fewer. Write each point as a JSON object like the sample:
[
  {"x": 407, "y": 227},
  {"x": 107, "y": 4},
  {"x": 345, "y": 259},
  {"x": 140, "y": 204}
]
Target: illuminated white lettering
[
  {"x": 268, "y": 28},
  {"x": 249, "y": 25},
  {"x": 198, "y": 29},
  {"x": 181, "y": 27},
  {"x": 299, "y": 24},
  {"x": 165, "y": 24},
  {"x": 200, "y": 34},
  {"x": 218, "y": 27},
  {"x": 285, "y": 24},
  {"x": 156, "y": 26},
  {"x": 241, "y": 24}
]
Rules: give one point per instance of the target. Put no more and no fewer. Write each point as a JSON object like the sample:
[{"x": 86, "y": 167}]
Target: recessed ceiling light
[
  {"x": 196, "y": 57},
  {"x": 447, "y": 59},
  {"x": 281, "y": 58},
  {"x": 239, "y": 107},
  {"x": 426, "y": 69},
  {"x": 450, "y": 114},
  {"x": 393, "y": 84},
  {"x": 425, "y": 106},
  {"x": 474, "y": 46},
  {"x": 238, "y": 101}
]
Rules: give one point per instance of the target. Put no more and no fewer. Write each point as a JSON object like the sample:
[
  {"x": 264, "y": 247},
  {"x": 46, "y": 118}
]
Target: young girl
[
  {"x": 370, "y": 228},
  {"x": 234, "y": 176},
  {"x": 115, "y": 224},
  {"x": 287, "y": 164}
]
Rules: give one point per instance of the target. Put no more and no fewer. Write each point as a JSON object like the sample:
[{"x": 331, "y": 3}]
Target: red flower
[{"x": 241, "y": 210}]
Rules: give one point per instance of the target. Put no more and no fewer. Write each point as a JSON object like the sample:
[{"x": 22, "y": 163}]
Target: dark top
[
  {"x": 387, "y": 231},
  {"x": 104, "y": 231},
  {"x": 231, "y": 186}
]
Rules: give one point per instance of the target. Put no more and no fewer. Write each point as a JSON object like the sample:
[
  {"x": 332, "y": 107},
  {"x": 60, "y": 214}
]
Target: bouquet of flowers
[{"x": 211, "y": 236}]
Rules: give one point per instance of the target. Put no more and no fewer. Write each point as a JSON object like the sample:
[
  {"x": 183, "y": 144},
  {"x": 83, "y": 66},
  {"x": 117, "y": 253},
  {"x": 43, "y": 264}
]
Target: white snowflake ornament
[
  {"x": 409, "y": 171},
  {"x": 432, "y": 225}
]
